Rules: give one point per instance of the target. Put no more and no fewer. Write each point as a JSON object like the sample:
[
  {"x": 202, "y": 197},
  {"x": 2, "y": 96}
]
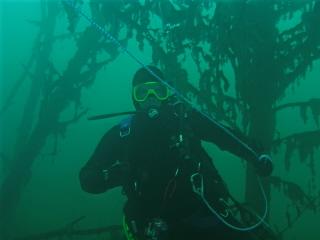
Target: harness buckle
[{"x": 197, "y": 183}]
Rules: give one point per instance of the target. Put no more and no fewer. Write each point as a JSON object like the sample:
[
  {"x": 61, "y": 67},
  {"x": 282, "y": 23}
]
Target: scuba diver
[{"x": 173, "y": 189}]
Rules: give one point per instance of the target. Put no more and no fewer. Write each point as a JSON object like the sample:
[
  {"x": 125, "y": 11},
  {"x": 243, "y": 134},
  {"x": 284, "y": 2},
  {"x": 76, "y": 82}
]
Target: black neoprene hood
[{"x": 143, "y": 75}]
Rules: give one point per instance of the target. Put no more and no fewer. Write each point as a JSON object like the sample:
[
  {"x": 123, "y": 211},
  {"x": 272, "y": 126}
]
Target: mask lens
[
  {"x": 140, "y": 92},
  {"x": 161, "y": 91}
]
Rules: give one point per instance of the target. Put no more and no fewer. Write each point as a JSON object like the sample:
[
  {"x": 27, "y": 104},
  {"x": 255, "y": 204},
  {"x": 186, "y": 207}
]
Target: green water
[{"x": 52, "y": 197}]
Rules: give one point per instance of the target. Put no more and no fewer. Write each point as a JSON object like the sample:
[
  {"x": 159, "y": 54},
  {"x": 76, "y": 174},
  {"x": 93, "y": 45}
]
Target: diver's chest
[{"x": 152, "y": 153}]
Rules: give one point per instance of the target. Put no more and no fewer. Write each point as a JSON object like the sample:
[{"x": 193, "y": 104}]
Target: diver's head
[{"x": 148, "y": 93}]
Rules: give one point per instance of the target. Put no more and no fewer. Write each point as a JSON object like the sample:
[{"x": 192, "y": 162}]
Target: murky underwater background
[{"x": 51, "y": 197}]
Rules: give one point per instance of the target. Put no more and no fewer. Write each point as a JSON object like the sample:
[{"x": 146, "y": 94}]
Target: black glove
[
  {"x": 117, "y": 174},
  {"x": 264, "y": 165}
]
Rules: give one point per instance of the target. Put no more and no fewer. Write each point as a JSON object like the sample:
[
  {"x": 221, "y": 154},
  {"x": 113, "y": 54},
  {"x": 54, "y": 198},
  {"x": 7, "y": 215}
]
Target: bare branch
[
  {"x": 72, "y": 233},
  {"x": 294, "y": 104},
  {"x": 313, "y": 104},
  {"x": 18, "y": 84},
  {"x": 306, "y": 144}
]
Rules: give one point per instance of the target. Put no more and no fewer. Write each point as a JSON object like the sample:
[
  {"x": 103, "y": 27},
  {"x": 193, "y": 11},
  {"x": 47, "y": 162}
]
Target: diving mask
[{"x": 142, "y": 91}]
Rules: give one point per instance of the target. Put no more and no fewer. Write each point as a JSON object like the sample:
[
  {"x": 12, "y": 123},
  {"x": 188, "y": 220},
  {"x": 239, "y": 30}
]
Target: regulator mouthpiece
[{"x": 153, "y": 113}]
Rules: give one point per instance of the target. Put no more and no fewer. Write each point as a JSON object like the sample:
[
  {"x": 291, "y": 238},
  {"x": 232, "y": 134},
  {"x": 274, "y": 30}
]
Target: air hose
[{"x": 200, "y": 192}]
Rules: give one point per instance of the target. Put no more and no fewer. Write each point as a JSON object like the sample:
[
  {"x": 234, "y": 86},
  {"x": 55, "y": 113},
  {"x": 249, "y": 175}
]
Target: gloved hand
[
  {"x": 264, "y": 165},
  {"x": 117, "y": 174}
]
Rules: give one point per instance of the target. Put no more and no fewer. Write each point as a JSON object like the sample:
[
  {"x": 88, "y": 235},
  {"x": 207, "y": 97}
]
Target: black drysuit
[{"x": 156, "y": 176}]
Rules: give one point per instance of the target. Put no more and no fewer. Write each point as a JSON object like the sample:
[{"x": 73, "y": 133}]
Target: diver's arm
[
  {"x": 230, "y": 140},
  {"x": 95, "y": 176}
]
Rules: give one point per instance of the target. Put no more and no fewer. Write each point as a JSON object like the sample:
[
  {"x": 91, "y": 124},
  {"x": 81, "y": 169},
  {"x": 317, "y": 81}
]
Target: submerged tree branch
[
  {"x": 297, "y": 136},
  {"x": 69, "y": 233},
  {"x": 288, "y": 105},
  {"x": 313, "y": 104},
  {"x": 15, "y": 89}
]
